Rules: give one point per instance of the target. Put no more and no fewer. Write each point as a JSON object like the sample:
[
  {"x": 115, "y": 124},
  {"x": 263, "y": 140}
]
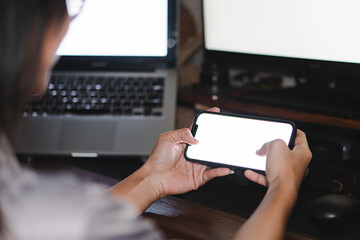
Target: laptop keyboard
[{"x": 95, "y": 95}]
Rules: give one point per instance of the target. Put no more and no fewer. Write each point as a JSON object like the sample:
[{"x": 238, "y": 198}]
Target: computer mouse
[{"x": 335, "y": 210}]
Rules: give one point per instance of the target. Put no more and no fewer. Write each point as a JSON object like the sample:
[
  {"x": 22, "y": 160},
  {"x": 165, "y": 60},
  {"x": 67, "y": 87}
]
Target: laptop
[{"x": 113, "y": 91}]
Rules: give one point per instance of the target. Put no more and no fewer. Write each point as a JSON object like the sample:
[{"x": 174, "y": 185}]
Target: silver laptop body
[{"x": 107, "y": 134}]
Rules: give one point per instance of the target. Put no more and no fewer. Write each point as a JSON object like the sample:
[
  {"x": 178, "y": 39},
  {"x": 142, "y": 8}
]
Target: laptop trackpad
[{"x": 80, "y": 135}]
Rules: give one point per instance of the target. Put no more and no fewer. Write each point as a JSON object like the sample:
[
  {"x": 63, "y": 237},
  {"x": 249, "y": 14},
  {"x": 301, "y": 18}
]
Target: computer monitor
[
  {"x": 308, "y": 35},
  {"x": 318, "y": 41}
]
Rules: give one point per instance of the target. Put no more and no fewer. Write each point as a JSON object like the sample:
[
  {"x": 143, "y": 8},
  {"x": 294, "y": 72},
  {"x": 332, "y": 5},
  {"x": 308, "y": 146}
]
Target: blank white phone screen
[{"x": 234, "y": 141}]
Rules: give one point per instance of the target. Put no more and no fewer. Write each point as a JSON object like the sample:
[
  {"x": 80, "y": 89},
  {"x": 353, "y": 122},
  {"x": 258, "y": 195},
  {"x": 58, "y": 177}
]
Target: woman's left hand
[
  {"x": 166, "y": 172},
  {"x": 172, "y": 171}
]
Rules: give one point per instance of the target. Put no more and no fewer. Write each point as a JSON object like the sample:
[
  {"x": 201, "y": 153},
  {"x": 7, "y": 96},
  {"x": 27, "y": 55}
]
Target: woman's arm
[
  {"x": 270, "y": 218},
  {"x": 285, "y": 170}
]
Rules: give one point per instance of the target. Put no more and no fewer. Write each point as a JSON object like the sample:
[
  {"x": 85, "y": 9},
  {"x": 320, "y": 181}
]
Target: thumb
[
  {"x": 263, "y": 150},
  {"x": 183, "y": 136}
]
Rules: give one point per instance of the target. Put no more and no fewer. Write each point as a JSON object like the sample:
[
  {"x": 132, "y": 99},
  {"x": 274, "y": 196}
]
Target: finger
[
  {"x": 214, "y": 109},
  {"x": 263, "y": 150},
  {"x": 301, "y": 145},
  {"x": 306, "y": 172},
  {"x": 256, "y": 177},
  {"x": 216, "y": 172},
  {"x": 300, "y": 140},
  {"x": 183, "y": 136}
]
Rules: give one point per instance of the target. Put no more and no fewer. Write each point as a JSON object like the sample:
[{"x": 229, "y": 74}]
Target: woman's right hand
[
  {"x": 285, "y": 170},
  {"x": 283, "y": 166}
]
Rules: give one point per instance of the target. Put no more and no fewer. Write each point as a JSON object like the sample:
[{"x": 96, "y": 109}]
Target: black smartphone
[{"x": 232, "y": 140}]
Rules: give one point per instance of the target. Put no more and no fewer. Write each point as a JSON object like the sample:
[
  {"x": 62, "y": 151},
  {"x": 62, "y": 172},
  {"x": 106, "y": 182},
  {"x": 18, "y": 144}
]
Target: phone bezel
[{"x": 213, "y": 164}]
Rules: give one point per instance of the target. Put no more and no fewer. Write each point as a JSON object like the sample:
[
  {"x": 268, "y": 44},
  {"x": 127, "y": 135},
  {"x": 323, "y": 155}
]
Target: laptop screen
[{"x": 119, "y": 28}]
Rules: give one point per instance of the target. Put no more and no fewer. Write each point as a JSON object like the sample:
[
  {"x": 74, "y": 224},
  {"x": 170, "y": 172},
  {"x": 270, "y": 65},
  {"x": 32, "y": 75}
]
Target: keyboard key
[
  {"x": 147, "y": 111},
  {"x": 157, "y": 113}
]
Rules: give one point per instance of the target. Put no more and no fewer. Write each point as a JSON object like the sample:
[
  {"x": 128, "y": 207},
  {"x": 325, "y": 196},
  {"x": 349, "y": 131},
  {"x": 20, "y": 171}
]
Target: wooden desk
[
  {"x": 182, "y": 219},
  {"x": 189, "y": 96}
]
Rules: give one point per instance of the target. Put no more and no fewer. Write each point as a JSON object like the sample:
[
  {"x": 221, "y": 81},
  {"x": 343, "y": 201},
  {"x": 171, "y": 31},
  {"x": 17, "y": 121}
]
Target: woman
[{"x": 64, "y": 207}]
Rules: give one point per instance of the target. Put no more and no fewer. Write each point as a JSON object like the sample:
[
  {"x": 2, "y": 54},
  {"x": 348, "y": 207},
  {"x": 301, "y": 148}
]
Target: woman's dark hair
[
  {"x": 23, "y": 24},
  {"x": 22, "y": 28}
]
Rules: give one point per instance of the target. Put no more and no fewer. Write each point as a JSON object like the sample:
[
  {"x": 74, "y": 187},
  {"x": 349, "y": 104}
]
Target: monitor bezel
[
  {"x": 282, "y": 64},
  {"x": 128, "y": 62}
]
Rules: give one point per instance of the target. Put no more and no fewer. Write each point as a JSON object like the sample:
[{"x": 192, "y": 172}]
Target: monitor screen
[
  {"x": 327, "y": 30},
  {"x": 118, "y": 28}
]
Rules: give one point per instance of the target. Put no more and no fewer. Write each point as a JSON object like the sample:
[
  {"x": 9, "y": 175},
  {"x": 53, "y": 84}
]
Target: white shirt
[{"x": 62, "y": 207}]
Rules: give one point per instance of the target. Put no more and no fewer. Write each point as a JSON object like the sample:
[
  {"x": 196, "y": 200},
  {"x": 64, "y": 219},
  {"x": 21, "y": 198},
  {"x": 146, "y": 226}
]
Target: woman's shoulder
[
  {"x": 67, "y": 201},
  {"x": 62, "y": 194}
]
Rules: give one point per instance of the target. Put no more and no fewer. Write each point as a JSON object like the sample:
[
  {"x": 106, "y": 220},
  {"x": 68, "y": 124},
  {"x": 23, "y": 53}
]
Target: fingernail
[{"x": 232, "y": 172}]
